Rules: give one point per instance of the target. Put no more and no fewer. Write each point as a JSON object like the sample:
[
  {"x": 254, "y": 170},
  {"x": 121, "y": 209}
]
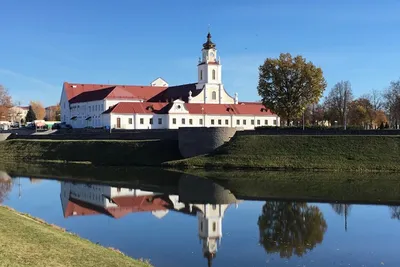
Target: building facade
[{"x": 205, "y": 103}]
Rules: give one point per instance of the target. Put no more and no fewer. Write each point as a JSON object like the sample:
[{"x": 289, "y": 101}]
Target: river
[{"x": 198, "y": 223}]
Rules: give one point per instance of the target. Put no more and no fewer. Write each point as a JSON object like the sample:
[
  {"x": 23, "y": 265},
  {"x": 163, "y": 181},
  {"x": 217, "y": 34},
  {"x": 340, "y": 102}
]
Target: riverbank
[
  {"x": 96, "y": 152},
  {"x": 322, "y": 153},
  {"x": 352, "y": 187},
  {"x": 247, "y": 152},
  {"x": 328, "y": 187},
  {"x": 26, "y": 241}
]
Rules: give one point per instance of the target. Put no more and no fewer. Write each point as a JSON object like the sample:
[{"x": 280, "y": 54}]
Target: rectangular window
[
  {"x": 258, "y": 122},
  {"x": 173, "y": 121},
  {"x": 130, "y": 120},
  {"x": 159, "y": 120},
  {"x": 212, "y": 122},
  {"x": 226, "y": 122},
  {"x": 190, "y": 121},
  {"x": 237, "y": 122},
  {"x": 219, "y": 122},
  {"x": 183, "y": 120},
  {"x": 252, "y": 122},
  {"x": 151, "y": 121},
  {"x": 274, "y": 122},
  {"x": 201, "y": 121},
  {"x": 266, "y": 122},
  {"x": 244, "y": 122},
  {"x": 141, "y": 121},
  {"x": 90, "y": 110}
]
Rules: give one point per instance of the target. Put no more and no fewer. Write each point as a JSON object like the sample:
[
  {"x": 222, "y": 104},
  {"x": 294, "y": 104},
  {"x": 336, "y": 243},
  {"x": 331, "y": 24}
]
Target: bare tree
[
  {"x": 338, "y": 100},
  {"x": 375, "y": 98},
  {"x": 392, "y": 102}
]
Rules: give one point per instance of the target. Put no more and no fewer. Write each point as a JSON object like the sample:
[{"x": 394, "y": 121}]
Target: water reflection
[
  {"x": 290, "y": 228},
  {"x": 342, "y": 210},
  {"x": 208, "y": 206},
  {"x": 5, "y": 185},
  {"x": 395, "y": 212},
  {"x": 286, "y": 229}
]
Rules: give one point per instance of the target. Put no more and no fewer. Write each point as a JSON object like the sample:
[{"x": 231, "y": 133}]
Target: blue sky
[{"x": 44, "y": 43}]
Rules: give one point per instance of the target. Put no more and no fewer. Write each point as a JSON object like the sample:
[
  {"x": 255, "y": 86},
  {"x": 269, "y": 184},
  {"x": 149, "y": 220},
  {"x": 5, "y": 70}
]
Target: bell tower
[{"x": 209, "y": 67}]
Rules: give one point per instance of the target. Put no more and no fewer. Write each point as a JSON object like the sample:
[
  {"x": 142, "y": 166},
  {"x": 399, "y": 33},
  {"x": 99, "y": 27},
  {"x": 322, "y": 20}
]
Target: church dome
[{"x": 209, "y": 44}]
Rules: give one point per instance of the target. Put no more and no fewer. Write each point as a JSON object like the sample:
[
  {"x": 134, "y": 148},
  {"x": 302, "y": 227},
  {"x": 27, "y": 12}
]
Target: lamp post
[{"x": 204, "y": 117}]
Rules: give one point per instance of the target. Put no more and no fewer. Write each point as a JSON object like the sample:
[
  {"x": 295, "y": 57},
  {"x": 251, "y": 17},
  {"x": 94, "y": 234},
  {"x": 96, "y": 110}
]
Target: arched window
[
  {"x": 214, "y": 227},
  {"x": 201, "y": 75},
  {"x": 213, "y": 74},
  {"x": 214, "y": 95}
]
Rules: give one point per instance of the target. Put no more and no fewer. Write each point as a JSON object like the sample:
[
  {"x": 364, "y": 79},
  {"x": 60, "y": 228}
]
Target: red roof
[
  {"x": 256, "y": 109},
  {"x": 128, "y": 204},
  {"x": 139, "y": 107},
  {"x": 91, "y": 92}
]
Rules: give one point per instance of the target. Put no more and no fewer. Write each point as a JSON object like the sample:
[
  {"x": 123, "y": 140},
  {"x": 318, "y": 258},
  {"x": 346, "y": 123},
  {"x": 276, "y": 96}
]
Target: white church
[{"x": 205, "y": 103}]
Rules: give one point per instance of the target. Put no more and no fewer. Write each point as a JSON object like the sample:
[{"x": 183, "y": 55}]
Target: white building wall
[
  {"x": 176, "y": 120},
  {"x": 126, "y": 121},
  {"x": 64, "y": 108}
]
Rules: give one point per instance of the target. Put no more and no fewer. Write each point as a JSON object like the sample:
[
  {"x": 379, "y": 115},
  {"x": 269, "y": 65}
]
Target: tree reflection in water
[
  {"x": 291, "y": 228},
  {"x": 5, "y": 186},
  {"x": 342, "y": 210},
  {"x": 395, "y": 212}
]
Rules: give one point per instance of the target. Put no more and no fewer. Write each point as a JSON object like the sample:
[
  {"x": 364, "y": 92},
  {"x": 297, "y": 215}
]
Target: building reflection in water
[{"x": 196, "y": 197}]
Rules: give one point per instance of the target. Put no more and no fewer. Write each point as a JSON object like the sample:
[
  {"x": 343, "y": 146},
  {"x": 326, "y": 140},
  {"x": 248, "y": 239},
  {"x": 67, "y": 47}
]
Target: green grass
[
  {"x": 121, "y": 175},
  {"x": 337, "y": 153},
  {"x": 26, "y": 241},
  {"x": 110, "y": 153}
]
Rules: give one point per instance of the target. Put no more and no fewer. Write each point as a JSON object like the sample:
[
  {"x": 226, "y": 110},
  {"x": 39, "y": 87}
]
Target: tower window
[
  {"x": 214, "y": 95},
  {"x": 201, "y": 75},
  {"x": 213, "y": 74},
  {"x": 214, "y": 227}
]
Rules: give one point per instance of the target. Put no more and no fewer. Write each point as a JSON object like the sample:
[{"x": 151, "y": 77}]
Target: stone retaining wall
[{"x": 199, "y": 141}]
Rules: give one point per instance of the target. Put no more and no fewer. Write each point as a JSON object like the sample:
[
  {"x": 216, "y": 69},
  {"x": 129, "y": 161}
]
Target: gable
[{"x": 159, "y": 82}]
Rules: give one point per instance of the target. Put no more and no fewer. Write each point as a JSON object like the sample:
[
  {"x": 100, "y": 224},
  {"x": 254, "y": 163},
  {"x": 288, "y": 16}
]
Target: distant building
[
  {"x": 18, "y": 114},
  {"x": 51, "y": 113},
  {"x": 205, "y": 103}
]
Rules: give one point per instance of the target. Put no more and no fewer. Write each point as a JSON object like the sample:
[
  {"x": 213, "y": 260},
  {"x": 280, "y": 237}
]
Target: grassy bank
[
  {"x": 110, "y": 153},
  {"x": 345, "y": 153},
  {"x": 26, "y": 241},
  {"x": 117, "y": 176},
  {"x": 351, "y": 187}
]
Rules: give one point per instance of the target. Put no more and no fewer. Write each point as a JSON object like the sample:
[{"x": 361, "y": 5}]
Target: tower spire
[{"x": 209, "y": 44}]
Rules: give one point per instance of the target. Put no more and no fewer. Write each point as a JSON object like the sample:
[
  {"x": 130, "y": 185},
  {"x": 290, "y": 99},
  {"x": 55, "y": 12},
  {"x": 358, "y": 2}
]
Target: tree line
[
  {"x": 293, "y": 88},
  {"x": 36, "y": 109}
]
